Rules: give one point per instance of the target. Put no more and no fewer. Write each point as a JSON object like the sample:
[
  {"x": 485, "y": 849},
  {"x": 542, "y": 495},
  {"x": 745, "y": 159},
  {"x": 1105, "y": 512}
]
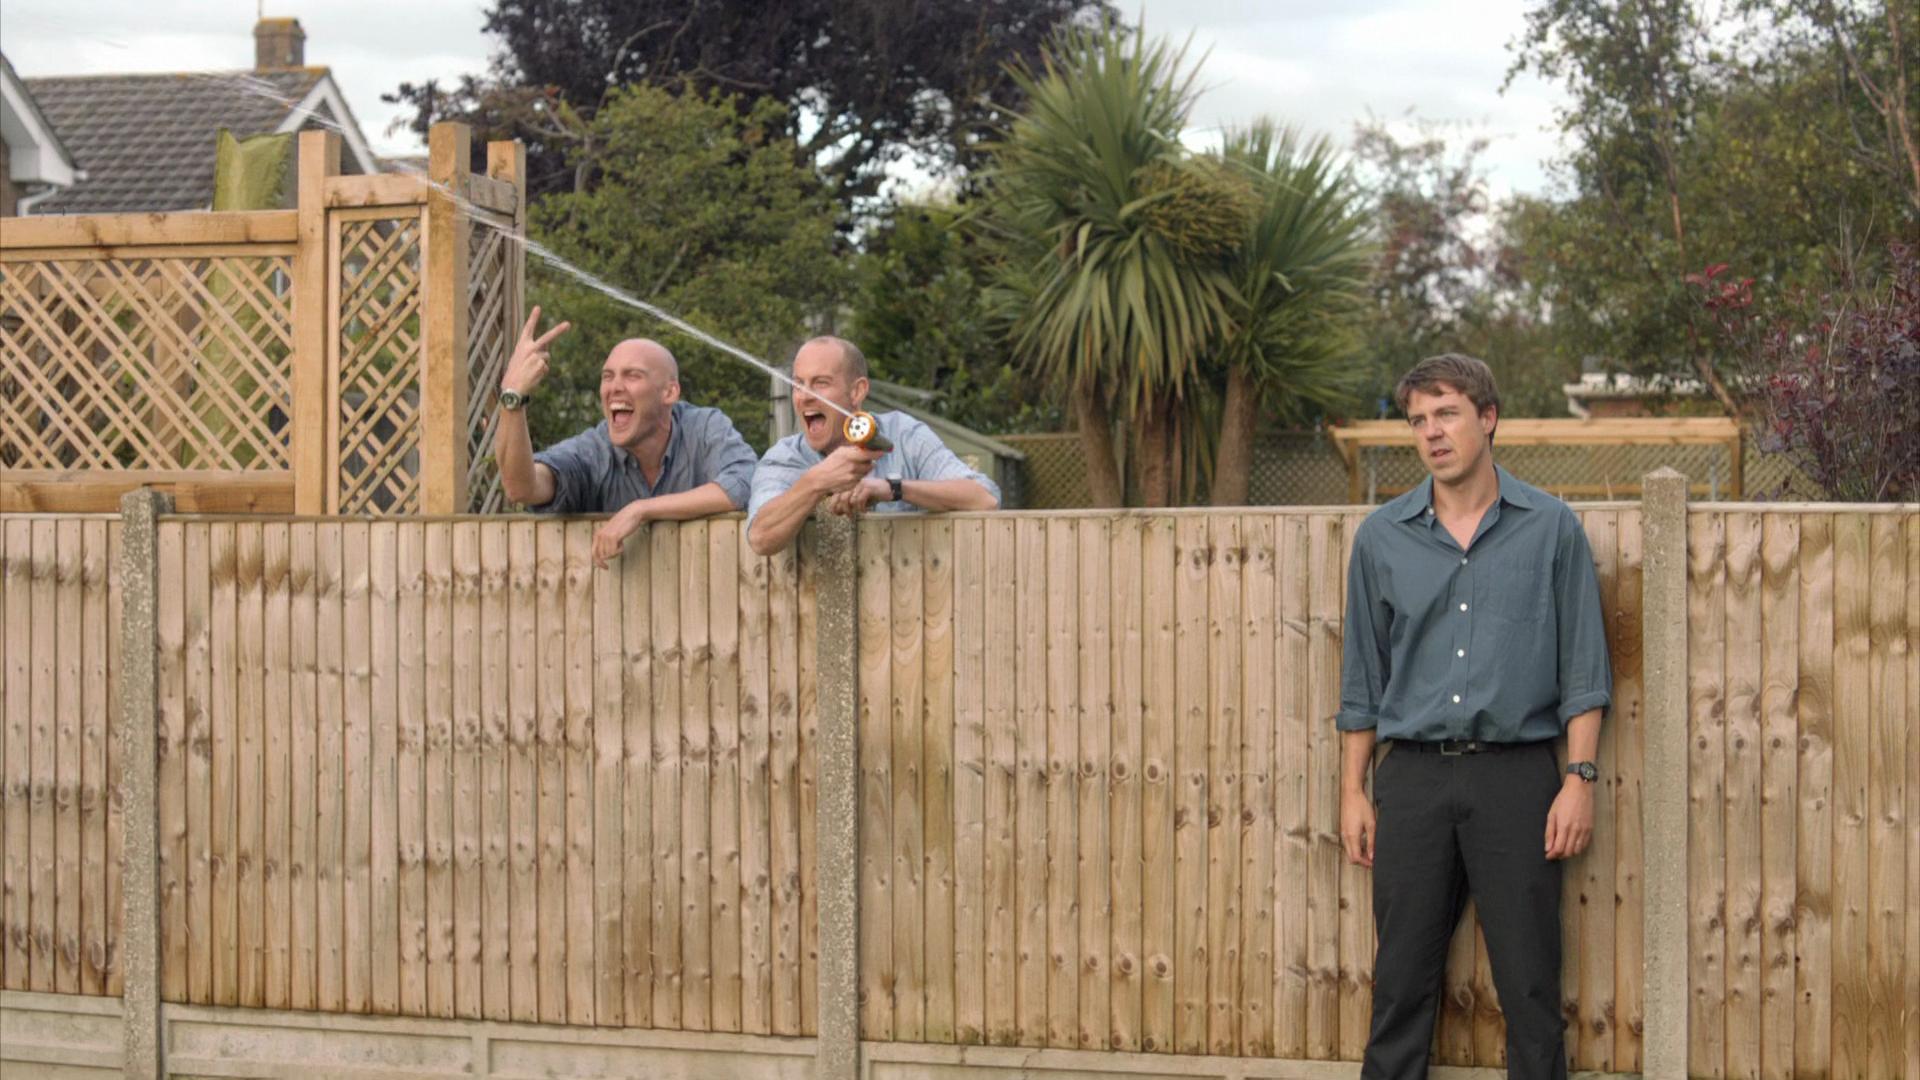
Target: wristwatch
[
  {"x": 894, "y": 483},
  {"x": 1585, "y": 770},
  {"x": 511, "y": 399}
]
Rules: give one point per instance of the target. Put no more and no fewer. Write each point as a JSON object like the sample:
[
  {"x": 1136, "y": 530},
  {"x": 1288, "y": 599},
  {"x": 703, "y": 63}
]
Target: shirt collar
[{"x": 1420, "y": 500}]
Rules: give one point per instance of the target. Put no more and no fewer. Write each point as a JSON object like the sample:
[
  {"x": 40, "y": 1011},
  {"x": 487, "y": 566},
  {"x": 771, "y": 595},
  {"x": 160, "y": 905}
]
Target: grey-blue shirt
[
  {"x": 593, "y": 476},
  {"x": 917, "y": 454},
  {"x": 1504, "y": 641}
]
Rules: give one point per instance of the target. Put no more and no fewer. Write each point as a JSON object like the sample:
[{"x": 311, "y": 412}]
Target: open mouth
[
  {"x": 816, "y": 423},
  {"x": 619, "y": 414}
]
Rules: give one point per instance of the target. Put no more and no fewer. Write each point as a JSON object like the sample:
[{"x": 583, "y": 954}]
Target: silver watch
[{"x": 512, "y": 400}]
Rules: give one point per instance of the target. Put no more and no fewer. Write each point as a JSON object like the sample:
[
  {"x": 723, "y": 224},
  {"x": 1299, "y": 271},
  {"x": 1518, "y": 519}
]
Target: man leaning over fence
[
  {"x": 653, "y": 457},
  {"x": 818, "y": 463}
]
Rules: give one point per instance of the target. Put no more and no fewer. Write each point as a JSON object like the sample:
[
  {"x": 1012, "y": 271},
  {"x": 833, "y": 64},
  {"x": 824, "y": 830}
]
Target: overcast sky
[{"x": 1319, "y": 64}]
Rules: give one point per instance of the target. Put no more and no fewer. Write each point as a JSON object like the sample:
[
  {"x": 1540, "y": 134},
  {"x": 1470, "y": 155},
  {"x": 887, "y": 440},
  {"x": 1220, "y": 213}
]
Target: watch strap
[{"x": 899, "y": 492}]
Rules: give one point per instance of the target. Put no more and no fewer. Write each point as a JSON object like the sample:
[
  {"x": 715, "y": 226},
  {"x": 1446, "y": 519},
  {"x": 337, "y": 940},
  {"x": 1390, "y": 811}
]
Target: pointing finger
[
  {"x": 541, "y": 341},
  {"x": 533, "y": 320}
]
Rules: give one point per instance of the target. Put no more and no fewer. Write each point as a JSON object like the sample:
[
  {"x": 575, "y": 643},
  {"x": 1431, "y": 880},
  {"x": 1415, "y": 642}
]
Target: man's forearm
[
  {"x": 704, "y": 501},
  {"x": 778, "y": 522},
  {"x": 958, "y": 494},
  {"x": 1583, "y": 736},
  {"x": 520, "y": 476},
  {"x": 1356, "y": 754}
]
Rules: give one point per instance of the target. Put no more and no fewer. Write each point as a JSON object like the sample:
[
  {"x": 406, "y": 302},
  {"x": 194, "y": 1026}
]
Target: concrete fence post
[
  {"x": 831, "y": 553},
  {"x": 1664, "y": 855},
  {"x": 138, "y": 719}
]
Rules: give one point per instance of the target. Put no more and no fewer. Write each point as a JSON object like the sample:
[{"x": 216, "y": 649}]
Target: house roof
[
  {"x": 36, "y": 155},
  {"x": 147, "y": 141}
]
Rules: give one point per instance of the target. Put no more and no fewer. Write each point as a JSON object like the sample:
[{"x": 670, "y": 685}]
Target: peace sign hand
[{"x": 528, "y": 365}]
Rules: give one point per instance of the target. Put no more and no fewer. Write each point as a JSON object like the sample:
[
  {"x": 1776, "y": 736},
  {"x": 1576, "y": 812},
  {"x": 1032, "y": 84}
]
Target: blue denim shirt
[
  {"x": 593, "y": 476},
  {"x": 917, "y": 454},
  {"x": 1504, "y": 641}
]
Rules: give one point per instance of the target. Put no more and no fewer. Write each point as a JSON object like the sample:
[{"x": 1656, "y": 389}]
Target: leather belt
[{"x": 1457, "y": 747}]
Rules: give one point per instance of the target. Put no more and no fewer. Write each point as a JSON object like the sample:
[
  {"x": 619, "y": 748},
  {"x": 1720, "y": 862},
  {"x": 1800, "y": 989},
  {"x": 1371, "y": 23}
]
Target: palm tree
[
  {"x": 1300, "y": 280},
  {"x": 1112, "y": 243}
]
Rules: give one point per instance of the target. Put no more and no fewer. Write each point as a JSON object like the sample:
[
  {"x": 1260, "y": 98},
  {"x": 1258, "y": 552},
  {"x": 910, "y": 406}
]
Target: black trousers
[{"x": 1451, "y": 827}]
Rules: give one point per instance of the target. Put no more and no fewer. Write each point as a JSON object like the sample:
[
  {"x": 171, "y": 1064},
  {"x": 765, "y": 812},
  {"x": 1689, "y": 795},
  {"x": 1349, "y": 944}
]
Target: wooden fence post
[
  {"x": 143, "y": 1042},
  {"x": 831, "y": 543},
  {"x": 1664, "y": 852},
  {"x": 443, "y": 319},
  {"x": 314, "y": 412}
]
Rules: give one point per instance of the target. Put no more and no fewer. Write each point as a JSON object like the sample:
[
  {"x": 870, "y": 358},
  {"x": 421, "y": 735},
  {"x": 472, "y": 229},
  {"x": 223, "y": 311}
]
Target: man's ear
[
  {"x": 672, "y": 395},
  {"x": 860, "y": 388},
  {"x": 1490, "y": 419}
]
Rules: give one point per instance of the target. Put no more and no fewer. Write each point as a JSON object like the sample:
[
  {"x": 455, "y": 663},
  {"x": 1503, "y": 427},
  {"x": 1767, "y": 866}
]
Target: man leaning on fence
[
  {"x": 1474, "y": 640},
  {"x": 801, "y": 471},
  {"x": 653, "y": 457}
]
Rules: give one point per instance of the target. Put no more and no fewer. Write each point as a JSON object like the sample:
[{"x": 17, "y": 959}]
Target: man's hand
[
  {"x": 1358, "y": 827},
  {"x": 843, "y": 469},
  {"x": 1570, "y": 822},
  {"x": 855, "y": 500},
  {"x": 528, "y": 364},
  {"x": 612, "y": 535}
]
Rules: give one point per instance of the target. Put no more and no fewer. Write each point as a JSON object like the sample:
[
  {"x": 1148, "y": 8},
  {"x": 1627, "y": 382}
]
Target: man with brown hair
[{"x": 1474, "y": 640}]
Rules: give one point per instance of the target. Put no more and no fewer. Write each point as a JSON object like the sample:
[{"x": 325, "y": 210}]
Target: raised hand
[{"x": 528, "y": 365}]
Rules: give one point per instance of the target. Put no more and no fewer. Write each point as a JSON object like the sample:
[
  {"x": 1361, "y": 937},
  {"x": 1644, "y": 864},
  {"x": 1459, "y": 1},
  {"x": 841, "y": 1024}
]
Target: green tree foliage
[
  {"x": 702, "y": 208},
  {"x": 919, "y": 314},
  {"x": 865, "y": 81}
]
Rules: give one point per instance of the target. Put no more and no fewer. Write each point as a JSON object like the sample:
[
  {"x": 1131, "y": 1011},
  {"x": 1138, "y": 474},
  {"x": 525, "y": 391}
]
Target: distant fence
[
  {"x": 1305, "y": 468},
  {"x": 448, "y": 769},
  {"x": 341, "y": 357}
]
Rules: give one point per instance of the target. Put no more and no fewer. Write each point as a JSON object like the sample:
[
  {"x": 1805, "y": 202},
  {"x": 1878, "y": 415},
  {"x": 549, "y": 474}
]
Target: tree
[
  {"x": 1110, "y": 270},
  {"x": 1300, "y": 282},
  {"x": 864, "y": 81},
  {"x": 918, "y": 313},
  {"x": 702, "y": 208}
]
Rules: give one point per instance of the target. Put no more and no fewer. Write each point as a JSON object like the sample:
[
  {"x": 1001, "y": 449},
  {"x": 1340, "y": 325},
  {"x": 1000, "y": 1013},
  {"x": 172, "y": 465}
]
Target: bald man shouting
[{"x": 653, "y": 458}]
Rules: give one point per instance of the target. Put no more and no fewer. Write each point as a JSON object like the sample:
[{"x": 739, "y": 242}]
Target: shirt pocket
[{"x": 1520, "y": 594}]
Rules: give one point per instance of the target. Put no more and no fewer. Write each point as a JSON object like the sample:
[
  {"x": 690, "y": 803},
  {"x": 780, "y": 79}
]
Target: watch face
[
  {"x": 1585, "y": 770},
  {"x": 512, "y": 399}
]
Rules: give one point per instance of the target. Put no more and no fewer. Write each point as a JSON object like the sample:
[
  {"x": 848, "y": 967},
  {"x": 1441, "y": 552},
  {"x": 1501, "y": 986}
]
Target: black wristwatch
[
  {"x": 1585, "y": 770},
  {"x": 899, "y": 493}
]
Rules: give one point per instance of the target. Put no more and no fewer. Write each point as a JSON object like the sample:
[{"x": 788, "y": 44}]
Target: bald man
[{"x": 653, "y": 457}]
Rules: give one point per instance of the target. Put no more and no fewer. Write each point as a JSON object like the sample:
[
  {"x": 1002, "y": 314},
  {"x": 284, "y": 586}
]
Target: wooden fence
[
  {"x": 447, "y": 768},
  {"x": 336, "y": 358}
]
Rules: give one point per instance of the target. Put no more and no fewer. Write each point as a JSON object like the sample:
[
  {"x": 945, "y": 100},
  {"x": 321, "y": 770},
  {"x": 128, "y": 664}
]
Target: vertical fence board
[
  {"x": 577, "y": 761},
  {"x": 807, "y": 589},
  {"x": 1128, "y": 640},
  {"x": 303, "y": 750},
  {"x": 1293, "y": 768},
  {"x": 636, "y": 698},
  {"x": 356, "y": 821},
  {"x": 329, "y": 695},
  {"x": 1706, "y": 800},
  {"x": 1323, "y": 881},
  {"x": 1225, "y": 625},
  {"x": 1594, "y": 1007},
  {"x": 696, "y": 780},
  {"x": 1254, "y": 813},
  {"x": 1191, "y": 731},
  {"x": 969, "y": 782},
  {"x": 1779, "y": 611},
  {"x": 276, "y": 766},
  {"x": 523, "y": 777},
  {"x": 1628, "y": 720},
  {"x": 609, "y": 822},
  {"x": 550, "y": 905},
  {"x": 383, "y": 892},
  {"x": 114, "y": 797},
  {"x": 1061, "y": 785},
  {"x": 755, "y": 814},
  {"x": 1095, "y": 782},
  {"x": 91, "y": 793},
  {"x": 199, "y": 904},
  {"x": 1742, "y": 791},
  {"x": 1813, "y": 883},
  {"x": 467, "y": 810},
  {"x": 410, "y": 745},
  {"x": 723, "y": 798},
  {"x": 1888, "y": 669},
  {"x": 16, "y": 780},
  {"x": 907, "y": 720},
  {"x": 497, "y": 808},
  {"x": 64, "y": 779},
  {"x": 1160, "y": 798},
  {"x": 937, "y": 782},
  {"x": 1852, "y": 689},
  {"x": 249, "y": 648},
  {"x": 220, "y": 719},
  {"x": 1030, "y": 795},
  {"x": 664, "y": 641},
  {"x": 876, "y": 780},
  {"x": 783, "y": 763},
  {"x": 999, "y": 857},
  {"x": 1356, "y": 883},
  {"x": 437, "y": 764}
]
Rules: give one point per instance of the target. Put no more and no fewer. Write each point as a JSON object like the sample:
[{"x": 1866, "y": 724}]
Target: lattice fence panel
[
  {"x": 1570, "y": 471},
  {"x": 493, "y": 311},
  {"x": 146, "y": 363},
  {"x": 379, "y": 292}
]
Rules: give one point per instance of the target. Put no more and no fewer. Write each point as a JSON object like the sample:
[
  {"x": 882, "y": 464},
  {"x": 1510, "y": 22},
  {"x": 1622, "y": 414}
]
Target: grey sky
[{"x": 1319, "y": 64}]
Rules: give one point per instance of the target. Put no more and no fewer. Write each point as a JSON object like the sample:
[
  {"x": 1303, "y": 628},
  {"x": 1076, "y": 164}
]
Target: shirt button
[
  {"x": 1463, "y": 607},
  {"x": 1459, "y": 652},
  {"x": 1456, "y": 699},
  {"x": 1463, "y": 562}
]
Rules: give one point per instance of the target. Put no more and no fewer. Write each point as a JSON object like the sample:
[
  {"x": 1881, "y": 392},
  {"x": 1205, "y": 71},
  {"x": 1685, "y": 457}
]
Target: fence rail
[{"x": 448, "y": 768}]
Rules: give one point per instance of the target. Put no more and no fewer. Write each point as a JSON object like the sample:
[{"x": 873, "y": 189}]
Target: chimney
[{"x": 278, "y": 43}]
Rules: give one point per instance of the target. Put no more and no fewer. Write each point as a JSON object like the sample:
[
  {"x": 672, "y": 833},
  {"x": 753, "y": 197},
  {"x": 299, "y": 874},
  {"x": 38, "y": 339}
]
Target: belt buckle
[{"x": 1458, "y": 747}]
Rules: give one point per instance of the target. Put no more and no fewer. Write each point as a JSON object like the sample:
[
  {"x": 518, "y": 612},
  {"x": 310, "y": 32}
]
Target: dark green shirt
[{"x": 1504, "y": 641}]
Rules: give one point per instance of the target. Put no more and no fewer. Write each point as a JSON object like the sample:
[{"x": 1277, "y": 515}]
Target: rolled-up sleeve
[
  {"x": 730, "y": 461},
  {"x": 777, "y": 472},
  {"x": 1365, "y": 651},
  {"x": 573, "y": 463},
  {"x": 1586, "y": 674},
  {"x": 928, "y": 458}
]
